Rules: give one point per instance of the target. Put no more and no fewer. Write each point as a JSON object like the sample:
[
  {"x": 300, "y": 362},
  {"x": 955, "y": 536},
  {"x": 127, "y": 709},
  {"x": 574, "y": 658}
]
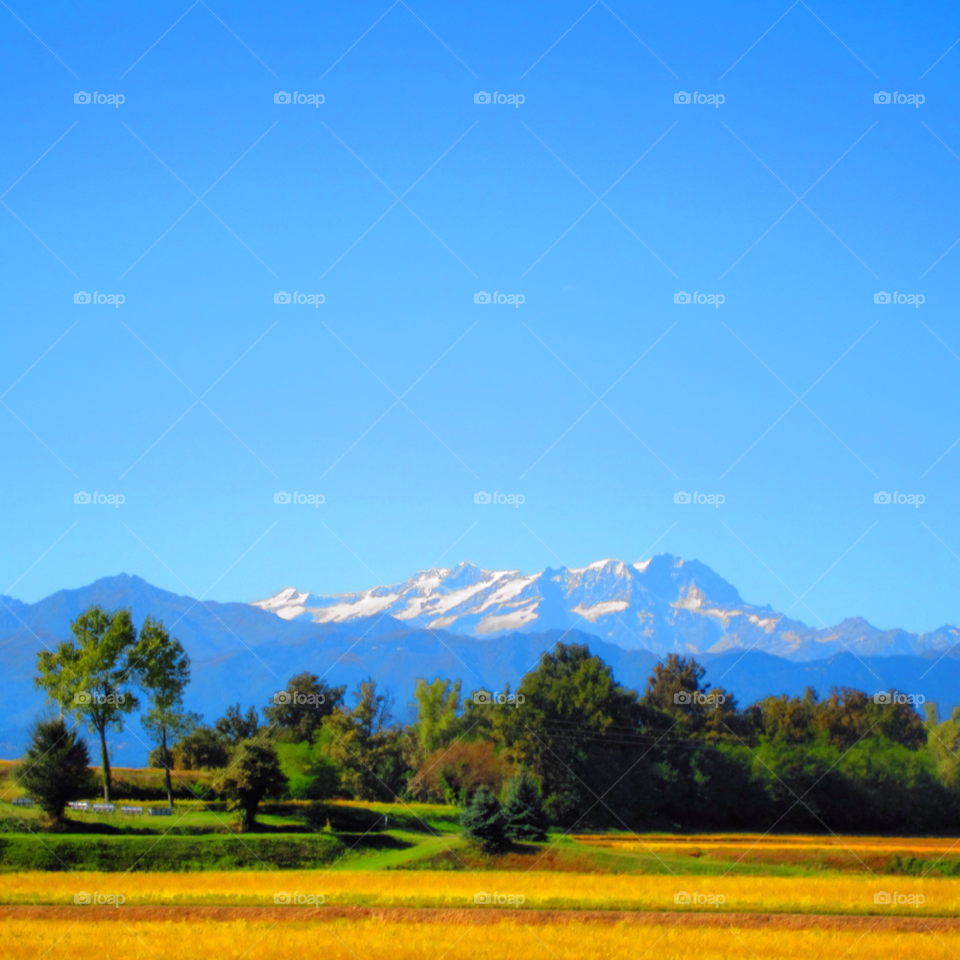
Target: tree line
[{"x": 571, "y": 746}]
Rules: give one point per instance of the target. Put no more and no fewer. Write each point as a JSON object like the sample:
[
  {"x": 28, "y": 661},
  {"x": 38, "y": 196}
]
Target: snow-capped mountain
[{"x": 664, "y": 604}]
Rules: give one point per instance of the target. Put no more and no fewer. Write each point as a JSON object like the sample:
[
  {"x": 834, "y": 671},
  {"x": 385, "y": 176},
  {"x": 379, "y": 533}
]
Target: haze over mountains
[
  {"x": 663, "y": 605},
  {"x": 485, "y": 627}
]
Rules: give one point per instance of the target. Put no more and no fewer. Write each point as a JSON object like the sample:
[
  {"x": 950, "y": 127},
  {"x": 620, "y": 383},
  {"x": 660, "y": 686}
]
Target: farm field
[
  {"x": 541, "y": 890},
  {"x": 421, "y": 939}
]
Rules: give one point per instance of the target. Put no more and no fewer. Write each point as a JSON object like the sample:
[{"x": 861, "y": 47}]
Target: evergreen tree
[
  {"x": 523, "y": 811},
  {"x": 483, "y": 821},
  {"x": 55, "y": 767}
]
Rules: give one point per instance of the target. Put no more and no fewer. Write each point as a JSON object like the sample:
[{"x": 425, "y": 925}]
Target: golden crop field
[
  {"x": 735, "y": 842},
  {"x": 373, "y": 939},
  {"x": 847, "y": 894}
]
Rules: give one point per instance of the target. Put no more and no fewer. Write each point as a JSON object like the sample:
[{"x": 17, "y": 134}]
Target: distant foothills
[{"x": 486, "y": 628}]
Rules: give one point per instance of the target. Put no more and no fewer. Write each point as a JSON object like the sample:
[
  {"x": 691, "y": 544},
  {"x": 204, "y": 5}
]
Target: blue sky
[{"x": 398, "y": 199}]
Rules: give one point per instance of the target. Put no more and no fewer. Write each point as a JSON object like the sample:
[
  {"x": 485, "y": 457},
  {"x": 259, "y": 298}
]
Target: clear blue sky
[{"x": 398, "y": 199}]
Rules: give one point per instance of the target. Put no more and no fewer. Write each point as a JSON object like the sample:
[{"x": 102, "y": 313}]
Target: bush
[{"x": 483, "y": 821}]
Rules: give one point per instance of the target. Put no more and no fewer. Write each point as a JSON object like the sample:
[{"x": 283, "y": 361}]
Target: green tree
[
  {"x": 163, "y": 669},
  {"x": 55, "y": 768},
  {"x": 677, "y": 697},
  {"x": 201, "y": 749},
  {"x": 483, "y": 821},
  {"x": 571, "y": 729},
  {"x": 365, "y": 746},
  {"x": 88, "y": 675},
  {"x": 438, "y": 713},
  {"x": 254, "y": 773},
  {"x": 299, "y": 710},
  {"x": 235, "y": 726},
  {"x": 523, "y": 811}
]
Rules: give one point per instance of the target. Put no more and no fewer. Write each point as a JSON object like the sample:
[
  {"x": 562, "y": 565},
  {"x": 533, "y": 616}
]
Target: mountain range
[
  {"x": 663, "y": 605},
  {"x": 487, "y": 628}
]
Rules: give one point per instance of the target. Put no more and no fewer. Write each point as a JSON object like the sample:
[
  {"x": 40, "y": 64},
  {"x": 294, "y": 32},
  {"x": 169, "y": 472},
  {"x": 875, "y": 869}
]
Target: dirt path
[{"x": 783, "y": 921}]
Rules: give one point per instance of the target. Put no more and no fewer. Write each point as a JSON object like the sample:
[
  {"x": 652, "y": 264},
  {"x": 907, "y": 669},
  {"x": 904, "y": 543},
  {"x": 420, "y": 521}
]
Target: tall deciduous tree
[
  {"x": 89, "y": 675},
  {"x": 163, "y": 669}
]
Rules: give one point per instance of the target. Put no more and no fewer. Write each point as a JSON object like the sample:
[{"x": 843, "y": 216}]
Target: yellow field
[
  {"x": 373, "y": 939},
  {"x": 850, "y": 894},
  {"x": 735, "y": 842}
]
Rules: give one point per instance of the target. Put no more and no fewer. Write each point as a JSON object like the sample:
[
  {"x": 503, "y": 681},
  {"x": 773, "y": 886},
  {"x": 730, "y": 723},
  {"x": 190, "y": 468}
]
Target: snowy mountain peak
[{"x": 663, "y": 604}]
